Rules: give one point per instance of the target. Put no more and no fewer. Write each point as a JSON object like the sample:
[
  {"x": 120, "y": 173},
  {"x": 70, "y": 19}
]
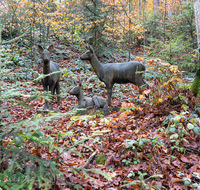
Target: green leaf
[
  {"x": 182, "y": 149},
  {"x": 172, "y": 129},
  {"x": 175, "y": 98},
  {"x": 132, "y": 142},
  {"x": 186, "y": 183},
  {"x": 185, "y": 107},
  {"x": 196, "y": 130},
  {"x": 190, "y": 126},
  {"x": 40, "y": 133},
  {"x": 195, "y": 185},
  {"x": 177, "y": 143},
  {"x": 174, "y": 136},
  {"x": 18, "y": 141}
]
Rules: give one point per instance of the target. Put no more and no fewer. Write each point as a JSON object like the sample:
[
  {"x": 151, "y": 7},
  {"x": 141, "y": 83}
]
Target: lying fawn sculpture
[
  {"x": 51, "y": 82},
  {"x": 111, "y": 73},
  {"x": 87, "y": 102}
]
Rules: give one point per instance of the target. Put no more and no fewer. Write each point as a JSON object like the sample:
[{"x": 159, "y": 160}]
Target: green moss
[
  {"x": 196, "y": 87},
  {"x": 82, "y": 117},
  {"x": 101, "y": 160}
]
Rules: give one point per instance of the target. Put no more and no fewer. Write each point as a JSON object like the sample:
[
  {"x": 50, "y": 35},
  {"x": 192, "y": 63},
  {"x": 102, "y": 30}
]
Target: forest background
[{"x": 144, "y": 143}]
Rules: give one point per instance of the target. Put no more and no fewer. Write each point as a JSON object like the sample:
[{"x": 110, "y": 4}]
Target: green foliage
[
  {"x": 96, "y": 19},
  {"x": 127, "y": 162},
  {"x": 171, "y": 51},
  {"x": 101, "y": 160},
  {"x": 141, "y": 142},
  {"x": 174, "y": 40},
  {"x": 80, "y": 65},
  {"x": 179, "y": 127},
  {"x": 196, "y": 87},
  {"x": 184, "y": 20},
  {"x": 142, "y": 183},
  {"x": 22, "y": 66}
]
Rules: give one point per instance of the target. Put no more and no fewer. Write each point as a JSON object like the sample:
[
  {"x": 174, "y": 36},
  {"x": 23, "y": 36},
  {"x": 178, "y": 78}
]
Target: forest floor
[{"x": 149, "y": 143}]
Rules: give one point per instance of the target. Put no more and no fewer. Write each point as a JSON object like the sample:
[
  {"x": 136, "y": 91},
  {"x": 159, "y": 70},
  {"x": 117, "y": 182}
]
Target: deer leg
[
  {"x": 58, "y": 92},
  {"x": 46, "y": 104},
  {"x": 140, "y": 82},
  {"x": 109, "y": 90},
  {"x": 52, "y": 89},
  {"x": 105, "y": 106},
  {"x": 96, "y": 102}
]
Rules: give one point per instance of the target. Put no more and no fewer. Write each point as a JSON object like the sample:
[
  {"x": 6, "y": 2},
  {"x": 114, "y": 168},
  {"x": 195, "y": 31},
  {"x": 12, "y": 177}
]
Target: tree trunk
[
  {"x": 155, "y": 5},
  {"x": 196, "y": 83},
  {"x": 197, "y": 18}
]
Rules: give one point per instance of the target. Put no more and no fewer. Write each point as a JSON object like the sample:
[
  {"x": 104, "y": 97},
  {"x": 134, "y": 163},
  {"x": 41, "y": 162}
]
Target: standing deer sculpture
[
  {"x": 50, "y": 82},
  {"x": 110, "y": 73}
]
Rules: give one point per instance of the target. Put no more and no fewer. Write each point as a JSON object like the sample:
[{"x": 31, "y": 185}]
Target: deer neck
[
  {"x": 46, "y": 70},
  {"x": 80, "y": 96},
  {"x": 97, "y": 66}
]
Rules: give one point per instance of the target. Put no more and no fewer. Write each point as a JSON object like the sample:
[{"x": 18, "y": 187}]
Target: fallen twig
[{"x": 89, "y": 160}]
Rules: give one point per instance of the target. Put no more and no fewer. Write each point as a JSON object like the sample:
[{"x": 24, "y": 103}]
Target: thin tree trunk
[
  {"x": 129, "y": 8},
  {"x": 1, "y": 141},
  {"x": 197, "y": 18},
  {"x": 140, "y": 2},
  {"x": 113, "y": 24},
  {"x": 155, "y": 5},
  {"x": 144, "y": 27},
  {"x": 195, "y": 85},
  {"x": 165, "y": 18}
]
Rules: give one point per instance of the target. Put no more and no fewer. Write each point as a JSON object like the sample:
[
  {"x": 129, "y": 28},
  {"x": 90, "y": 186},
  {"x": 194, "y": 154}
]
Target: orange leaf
[
  {"x": 176, "y": 180},
  {"x": 41, "y": 100},
  {"x": 123, "y": 116},
  {"x": 124, "y": 105}
]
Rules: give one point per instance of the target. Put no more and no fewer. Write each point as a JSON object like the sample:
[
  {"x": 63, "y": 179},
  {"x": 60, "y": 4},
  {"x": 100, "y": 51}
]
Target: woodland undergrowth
[{"x": 150, "y": 141}]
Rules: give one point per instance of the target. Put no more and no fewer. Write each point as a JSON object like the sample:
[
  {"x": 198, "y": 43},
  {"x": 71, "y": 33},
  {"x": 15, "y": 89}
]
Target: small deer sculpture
[
  {"x": 87, "y": 102},
  {"x": 51, "y": 82},
  {"x": 110, "y": 73}
]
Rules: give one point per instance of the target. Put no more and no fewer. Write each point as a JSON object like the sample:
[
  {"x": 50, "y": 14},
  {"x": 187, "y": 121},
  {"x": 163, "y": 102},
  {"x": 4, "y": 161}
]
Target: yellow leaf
[
  {"x": 140, "y": 97},
  {"x": 160, "y": 100},
  {"x": 150, "y": 68}
]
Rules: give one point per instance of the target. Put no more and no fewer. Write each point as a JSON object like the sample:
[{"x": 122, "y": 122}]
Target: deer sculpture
[
  {"x": 87, "y": 102},
  {"x": 110, "y": 73},
  {"x": 50, "y": 82}
]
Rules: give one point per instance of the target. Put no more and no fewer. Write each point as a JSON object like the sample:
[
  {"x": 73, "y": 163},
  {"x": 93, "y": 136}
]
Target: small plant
[
  {"x": 141, "y": 183},
  {"x": 136, "y": 161},
  {"x": 179, "y": 126},
  {"x": 127, "y": 162},
  {"x": 186, "y": 181}
]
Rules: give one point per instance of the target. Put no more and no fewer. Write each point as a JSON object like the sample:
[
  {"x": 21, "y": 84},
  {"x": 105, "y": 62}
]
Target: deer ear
[
  {"x": 74, "y": 82},
  {"x": 80, "y": 83},
  {"x": 91, "y": 49},
  {"x": 40, "y": 49},
  {"x": 51, "y": 48}
]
